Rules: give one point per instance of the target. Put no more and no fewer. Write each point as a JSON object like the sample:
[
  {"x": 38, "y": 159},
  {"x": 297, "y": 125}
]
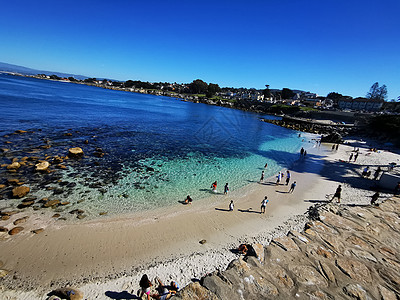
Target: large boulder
[
  {"x": 15, "y": 165},
  {"x": 43, "y": 166},
  {"x": 15, "y": 230},
  {"x": 20, "y": 191},
  {"x": 21, "y": 220},
  {"x": 75, "y": 152},
  {"x": 333, "y": 137}
]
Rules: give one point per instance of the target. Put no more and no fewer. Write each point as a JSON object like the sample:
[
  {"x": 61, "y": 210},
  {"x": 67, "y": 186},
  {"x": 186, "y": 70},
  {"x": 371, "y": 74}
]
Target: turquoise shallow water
[{"x": 158, "y": 149}]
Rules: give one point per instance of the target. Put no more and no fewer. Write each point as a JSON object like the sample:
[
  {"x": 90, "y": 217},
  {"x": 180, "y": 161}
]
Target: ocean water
[{"x": 158, "y": 149}]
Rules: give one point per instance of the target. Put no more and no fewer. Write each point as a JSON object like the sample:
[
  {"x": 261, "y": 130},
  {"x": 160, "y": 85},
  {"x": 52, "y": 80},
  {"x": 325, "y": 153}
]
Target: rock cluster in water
[
  {"x": 31, "y": 162},
  {"x": 348, "y": 253}
]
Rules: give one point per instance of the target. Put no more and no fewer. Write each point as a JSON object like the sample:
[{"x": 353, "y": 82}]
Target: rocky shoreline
[
  {"x": 345, "y": 252},
  {"x": 53, "y": 173},
  {"x": 332, "y": 132}
]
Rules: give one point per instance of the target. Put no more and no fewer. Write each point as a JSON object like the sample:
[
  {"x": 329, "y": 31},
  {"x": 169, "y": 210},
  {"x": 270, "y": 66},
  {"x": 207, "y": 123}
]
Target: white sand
[{"x": 112, "y": 254}]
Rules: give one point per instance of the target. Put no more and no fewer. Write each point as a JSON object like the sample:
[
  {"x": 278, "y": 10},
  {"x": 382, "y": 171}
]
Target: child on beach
[
  {"x": 145, "y": 285},
  {"x": 355, "y": 157},
  {"x": 337, "y": 193},
  {"x": 278, "y": 178},
  {"x": 231, "y": 206},
  {"x": 214, "y": 187},
  {"x": 264, "y": 205},
  {"x": 188, "y": 200},
  {"x": 262, "y": 177},
  {"x": 292, "y": 187},
  {"x": 226, "y": 189}
]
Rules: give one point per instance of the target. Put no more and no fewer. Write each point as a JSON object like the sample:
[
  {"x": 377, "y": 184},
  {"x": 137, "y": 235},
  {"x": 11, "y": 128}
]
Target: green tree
[
  {"x": 377, "y": 92},
  {"x": 90, "y": 80},
  {"x": 382, "y": 93},
  {"x": 198, "y": 86},
  {"x": 212, "y": 89},
  {"x": 334, "y": 96},
  {"x": 267, "y": 92},
  {"x": 287, "y": 93},
  {"x": 129, "y": 83}
]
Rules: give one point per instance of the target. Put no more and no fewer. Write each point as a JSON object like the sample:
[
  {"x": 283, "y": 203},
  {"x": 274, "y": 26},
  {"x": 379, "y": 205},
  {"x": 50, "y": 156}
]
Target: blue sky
[{"x": 318, "y": 46}]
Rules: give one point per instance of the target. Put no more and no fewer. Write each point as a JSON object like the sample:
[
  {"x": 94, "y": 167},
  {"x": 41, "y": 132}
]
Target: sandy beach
[{"x": 99, "y": 257}]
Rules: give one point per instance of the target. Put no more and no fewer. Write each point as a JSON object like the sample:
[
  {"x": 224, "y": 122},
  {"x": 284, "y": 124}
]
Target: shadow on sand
[
  {"x": 120, "y": 295},
  {"x": 249, "y": 210},
  {"x": 221, "y": 209}
]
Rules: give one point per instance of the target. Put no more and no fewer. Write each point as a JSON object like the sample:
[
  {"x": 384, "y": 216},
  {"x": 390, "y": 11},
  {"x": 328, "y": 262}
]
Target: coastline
[{"x": 112, "y": 254}]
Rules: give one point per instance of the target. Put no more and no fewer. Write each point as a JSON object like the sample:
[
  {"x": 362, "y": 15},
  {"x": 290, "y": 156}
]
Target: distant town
[{"x": 268, "y": 100}]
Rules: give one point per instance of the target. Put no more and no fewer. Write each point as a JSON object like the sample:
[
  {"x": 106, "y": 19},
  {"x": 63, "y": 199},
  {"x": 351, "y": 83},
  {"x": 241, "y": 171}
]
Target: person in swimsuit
[
  {"x": 145, "y": 285},
  {"x": 214, "y": 187},
  {"x": 188, "y": 200},
  {"x": 231, "y": 206}
]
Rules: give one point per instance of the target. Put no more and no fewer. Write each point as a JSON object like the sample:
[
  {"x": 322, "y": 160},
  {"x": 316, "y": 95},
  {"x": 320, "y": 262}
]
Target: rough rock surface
[
  {"x": 340, "y": 256},
  {"x": 75, "y": 152},
  {"x": 15, "y": 230},
  {"x": 20, "y": 191},
  {"x": 43, "y": 166}
]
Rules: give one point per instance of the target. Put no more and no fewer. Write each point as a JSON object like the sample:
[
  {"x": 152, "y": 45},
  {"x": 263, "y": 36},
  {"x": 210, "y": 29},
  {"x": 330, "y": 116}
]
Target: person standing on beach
[
  {"x": 337, "y": 193},
  {"x": 292, "y": 187},
  {"x": 337, "y": 147},
  {"x": 287, "y": 177},
  {"x": 231, "y": 206},
  {"x": 278, "y": 178},
  {"x": 262, "y": 177},
  {"x": 214, "y": 187},
  {"x": 351, "y": 157},
  {"x": 264, "y": 205},
  {"x": 226, "y": 189},
  {"x": 377, "y": 172},
  {"x": 356, "y": 156}
]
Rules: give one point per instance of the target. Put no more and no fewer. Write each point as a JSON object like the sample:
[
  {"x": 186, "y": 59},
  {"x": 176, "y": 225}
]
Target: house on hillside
[{"x": 361, "y": 104}]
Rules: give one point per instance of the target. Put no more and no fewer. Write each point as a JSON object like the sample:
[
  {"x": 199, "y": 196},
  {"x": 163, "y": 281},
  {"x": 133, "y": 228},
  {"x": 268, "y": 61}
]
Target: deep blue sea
[{"x": 160, "y": 149}]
